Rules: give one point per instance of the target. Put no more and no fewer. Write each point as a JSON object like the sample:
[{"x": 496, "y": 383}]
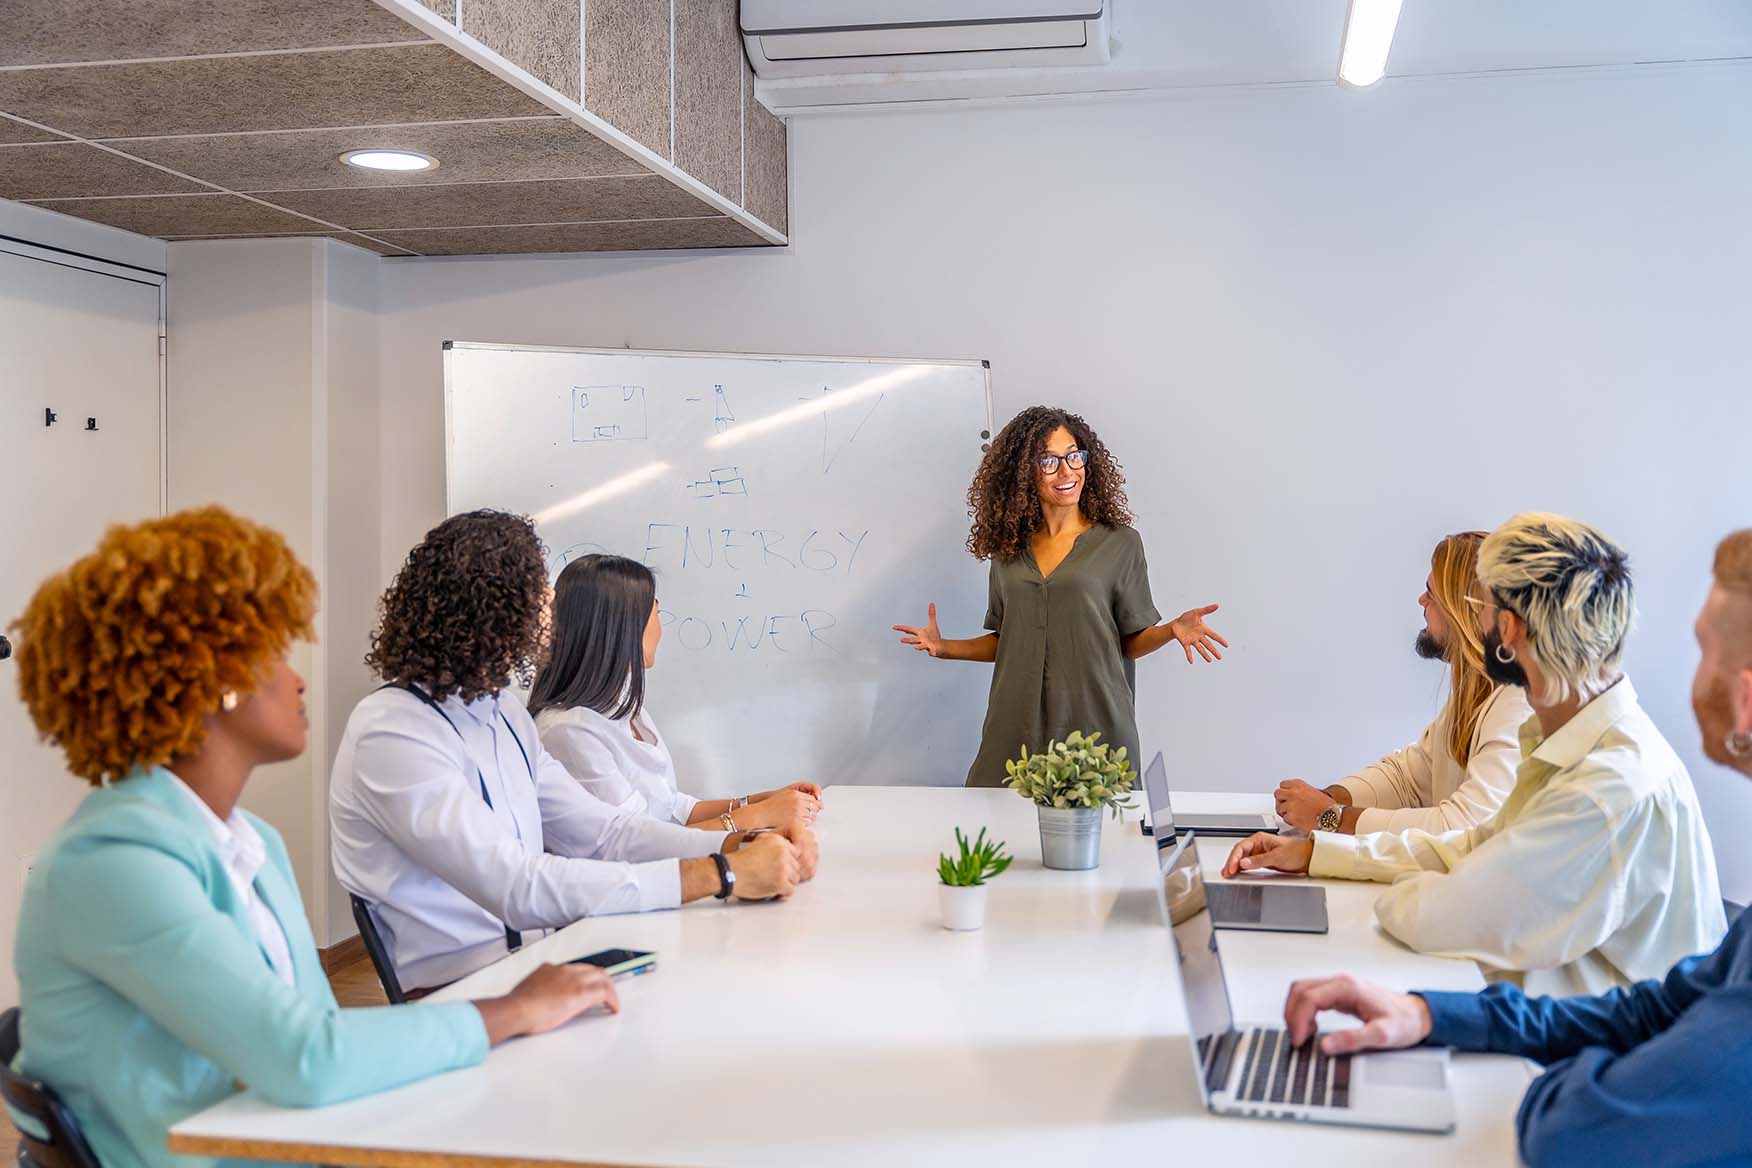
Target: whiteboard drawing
[
  {"x": 841, "y": 427},
  {"x": 787, "y": 505},
  {"x": 609, "y": 413},
  {"x": 722, "y": 414},
  {"x": 723, "y": 480}
]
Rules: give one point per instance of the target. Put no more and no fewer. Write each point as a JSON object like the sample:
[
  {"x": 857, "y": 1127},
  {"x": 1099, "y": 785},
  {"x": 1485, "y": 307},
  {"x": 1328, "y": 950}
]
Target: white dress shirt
[
  {"x": 446, "y": 872},
  {"x": 1424, "y": 787},
  {"x": 616, "y": 764},
  {"x": 243, "y": 852},
  {"x": 1596, "y": 873}
]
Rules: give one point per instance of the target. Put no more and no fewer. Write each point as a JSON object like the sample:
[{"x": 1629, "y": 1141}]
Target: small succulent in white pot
[{"x": 961, "y": 892}]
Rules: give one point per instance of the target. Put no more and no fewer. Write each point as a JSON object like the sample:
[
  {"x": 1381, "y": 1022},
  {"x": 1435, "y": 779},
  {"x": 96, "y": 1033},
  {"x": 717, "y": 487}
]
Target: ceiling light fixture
[
  {"x": 1368, "y": 35},
  {"x": 407, "y": 160}
]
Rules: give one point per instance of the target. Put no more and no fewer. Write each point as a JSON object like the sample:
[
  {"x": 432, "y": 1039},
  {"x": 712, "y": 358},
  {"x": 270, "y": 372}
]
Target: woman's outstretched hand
[
  {"x": 1190, "y": 630},
  {"x": 928, "y": 639}
]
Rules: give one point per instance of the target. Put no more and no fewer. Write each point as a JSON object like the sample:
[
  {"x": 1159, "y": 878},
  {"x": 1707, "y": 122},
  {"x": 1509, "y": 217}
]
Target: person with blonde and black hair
[
  {"x": 1461, "y": 770},
  {"x": 1656, "y": 1073},
  {"x": 1598, "y": 869},
  {"x": 163, "y": 954}
]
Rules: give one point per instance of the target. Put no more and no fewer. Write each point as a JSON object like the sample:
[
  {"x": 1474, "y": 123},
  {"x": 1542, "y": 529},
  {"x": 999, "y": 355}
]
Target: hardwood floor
[{"x": 355, "y": 984}]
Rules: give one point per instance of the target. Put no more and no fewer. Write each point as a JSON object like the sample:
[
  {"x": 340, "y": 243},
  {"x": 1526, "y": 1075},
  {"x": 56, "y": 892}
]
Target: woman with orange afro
[{"x": 163, "y": 953}]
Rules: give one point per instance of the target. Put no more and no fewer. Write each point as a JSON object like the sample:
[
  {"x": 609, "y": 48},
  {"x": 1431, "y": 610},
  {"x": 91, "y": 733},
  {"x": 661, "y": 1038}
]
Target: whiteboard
[{"x": 793, "y": 508}]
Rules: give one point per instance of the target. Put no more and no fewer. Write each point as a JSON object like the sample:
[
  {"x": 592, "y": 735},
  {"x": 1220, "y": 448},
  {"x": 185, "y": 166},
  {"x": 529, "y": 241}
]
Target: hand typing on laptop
[
  {"x": 1264, "y": 850},
  {"x": 1391, "y": 1021}
]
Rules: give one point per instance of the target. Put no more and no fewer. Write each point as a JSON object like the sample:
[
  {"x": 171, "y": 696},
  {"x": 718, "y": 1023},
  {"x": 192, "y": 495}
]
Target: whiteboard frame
[{"x": 450, "y": 387}]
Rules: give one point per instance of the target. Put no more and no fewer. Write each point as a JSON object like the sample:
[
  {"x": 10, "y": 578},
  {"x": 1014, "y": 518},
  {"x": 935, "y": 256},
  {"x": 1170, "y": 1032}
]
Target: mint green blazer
[{"x": 147, "y": 996}]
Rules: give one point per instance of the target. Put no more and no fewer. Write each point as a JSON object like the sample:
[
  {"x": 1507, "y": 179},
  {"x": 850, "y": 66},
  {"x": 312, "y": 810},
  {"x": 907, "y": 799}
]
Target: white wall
[
  {"x": 352, "y": 506},
  {"x": 1321, "y": 328},
  {"x": 83, "y": 344},
  {"x": 273, "y": 413}
]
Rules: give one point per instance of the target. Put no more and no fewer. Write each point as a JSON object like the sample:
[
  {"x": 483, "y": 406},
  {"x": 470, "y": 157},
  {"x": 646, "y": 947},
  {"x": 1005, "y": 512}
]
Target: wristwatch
[
  {"x": 726, "y": 876},
  {"x": 1330, "y": 819}
]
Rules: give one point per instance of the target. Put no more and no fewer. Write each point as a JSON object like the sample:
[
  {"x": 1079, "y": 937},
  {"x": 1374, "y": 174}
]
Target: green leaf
[
  {"x": 1080, "y": 771},
  {"x": 977, "y": 861}
]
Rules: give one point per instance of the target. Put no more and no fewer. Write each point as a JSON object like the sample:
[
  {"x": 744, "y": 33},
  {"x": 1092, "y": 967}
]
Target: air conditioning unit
[{"x": 826, "y": 38}]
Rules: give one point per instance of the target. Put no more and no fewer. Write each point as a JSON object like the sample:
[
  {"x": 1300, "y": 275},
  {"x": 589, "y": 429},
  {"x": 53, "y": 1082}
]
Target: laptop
[
  {"x": 1234, "y": 823},
  {"x": 1258, "y": 906},
  {"x": 1253, "y": 1071}
]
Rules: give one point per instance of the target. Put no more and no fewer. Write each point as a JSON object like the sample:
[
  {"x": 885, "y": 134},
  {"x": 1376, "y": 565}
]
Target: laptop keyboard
[{"x": 1273, "y": 1071}]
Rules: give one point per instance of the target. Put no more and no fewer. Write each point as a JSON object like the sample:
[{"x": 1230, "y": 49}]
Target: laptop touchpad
[{"x": 1405, "y": 1070}]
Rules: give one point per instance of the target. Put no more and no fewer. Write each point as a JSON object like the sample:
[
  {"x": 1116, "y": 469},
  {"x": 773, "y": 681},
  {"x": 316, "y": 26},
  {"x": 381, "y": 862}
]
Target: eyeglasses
[{"x": 1049, "y": 463}]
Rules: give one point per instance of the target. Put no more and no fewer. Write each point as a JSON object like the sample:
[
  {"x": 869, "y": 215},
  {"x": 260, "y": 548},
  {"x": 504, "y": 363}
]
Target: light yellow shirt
[
  {"x": 1597, "y": 871},
  {"x": 1423, "y": 786}
]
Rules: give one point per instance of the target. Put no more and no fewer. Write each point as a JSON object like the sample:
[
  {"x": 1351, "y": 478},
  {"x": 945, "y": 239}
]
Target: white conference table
[{"x": 846, "y": 1027}]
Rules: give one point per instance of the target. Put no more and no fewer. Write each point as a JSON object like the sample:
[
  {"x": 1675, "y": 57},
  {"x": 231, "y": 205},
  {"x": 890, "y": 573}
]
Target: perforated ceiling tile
[
  {"x": 383, "y": 249},
  {"x": 213, "y": 119},
  {"x": 708, "y": 94},
  {"x": 165, "y": 215},
  {"x": 11, "y": 131},
  {"x": 103, "y": 30},
  {"x": 540, "y": 35},
  {"x": 62, "y": 170},
  {"x": 521, "y": 148},
  {"x": 416, "y": 83},
  {"x": 626, "y": 68},
  {"x": 496, "y": 203}
]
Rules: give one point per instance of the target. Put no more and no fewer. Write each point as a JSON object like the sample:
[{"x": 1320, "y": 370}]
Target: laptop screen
[
  {"x": 1188, "y": 915},
  {"x": 1156, "y": 794}
]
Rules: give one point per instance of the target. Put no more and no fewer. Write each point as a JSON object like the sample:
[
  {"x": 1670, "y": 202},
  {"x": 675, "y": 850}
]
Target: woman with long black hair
[
  {"x": 448, "y": 817},
  {"x": 589, "y": 705}
]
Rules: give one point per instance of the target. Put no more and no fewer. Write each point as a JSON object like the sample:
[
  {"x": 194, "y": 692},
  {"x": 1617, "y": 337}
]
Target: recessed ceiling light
[
  {"x": 388, "y": 160},
  {"x": 1368, "y": 35}
]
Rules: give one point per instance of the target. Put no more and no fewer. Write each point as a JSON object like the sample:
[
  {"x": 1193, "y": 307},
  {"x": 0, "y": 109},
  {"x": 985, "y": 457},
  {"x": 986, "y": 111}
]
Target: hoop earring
[
  {"x": 228, "y": 700},
  {"x": 1504, "y": 654},
  {"x": 1738, "y": 745}
]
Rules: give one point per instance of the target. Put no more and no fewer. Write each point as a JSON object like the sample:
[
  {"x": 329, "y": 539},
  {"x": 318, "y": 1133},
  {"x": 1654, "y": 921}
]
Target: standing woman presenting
[{"x": 1070, "y": 606}]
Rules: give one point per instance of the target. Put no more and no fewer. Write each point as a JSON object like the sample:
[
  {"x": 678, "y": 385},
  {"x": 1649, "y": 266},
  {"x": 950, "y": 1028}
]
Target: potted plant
[
  {"x": 1069, "y": 783},
  {"x": 962, "y": 893}
]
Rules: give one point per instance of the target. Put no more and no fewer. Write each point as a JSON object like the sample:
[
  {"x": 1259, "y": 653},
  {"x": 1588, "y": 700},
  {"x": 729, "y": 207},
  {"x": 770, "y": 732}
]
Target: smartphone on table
[{"x": 619, "y": 962}]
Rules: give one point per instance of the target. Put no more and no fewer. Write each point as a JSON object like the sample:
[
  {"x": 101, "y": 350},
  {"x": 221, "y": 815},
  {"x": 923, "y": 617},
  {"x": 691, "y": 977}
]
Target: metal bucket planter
[{"x": 1070, "y": 837}]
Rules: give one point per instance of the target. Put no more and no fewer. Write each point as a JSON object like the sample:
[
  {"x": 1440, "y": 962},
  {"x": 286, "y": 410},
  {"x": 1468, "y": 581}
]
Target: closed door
[{"x": 84, "y": 344}]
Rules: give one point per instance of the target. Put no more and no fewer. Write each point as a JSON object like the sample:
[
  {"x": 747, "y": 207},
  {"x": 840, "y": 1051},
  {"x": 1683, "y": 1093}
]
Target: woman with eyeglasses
[{"x": 1070, "y": 607}]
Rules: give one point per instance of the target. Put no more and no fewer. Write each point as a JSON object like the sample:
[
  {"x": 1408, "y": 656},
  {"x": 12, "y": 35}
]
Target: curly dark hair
[
  {"x": 123, "y": 655},
  {"x": 467, "y": 610},
  {"x": 1004, "y": 499}
]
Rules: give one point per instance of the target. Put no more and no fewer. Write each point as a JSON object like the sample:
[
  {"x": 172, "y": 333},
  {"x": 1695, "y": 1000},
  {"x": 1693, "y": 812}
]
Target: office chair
[
  {"x": 374, "y": 949},
  {"x": 49, "y": 1135}
]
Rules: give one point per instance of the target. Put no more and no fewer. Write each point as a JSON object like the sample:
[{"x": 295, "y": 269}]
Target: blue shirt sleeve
[{"x": 1650, "y": 1074}]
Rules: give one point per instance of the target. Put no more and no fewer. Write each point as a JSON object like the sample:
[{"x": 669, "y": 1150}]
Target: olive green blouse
[{"x": 1059, "y": 665}]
